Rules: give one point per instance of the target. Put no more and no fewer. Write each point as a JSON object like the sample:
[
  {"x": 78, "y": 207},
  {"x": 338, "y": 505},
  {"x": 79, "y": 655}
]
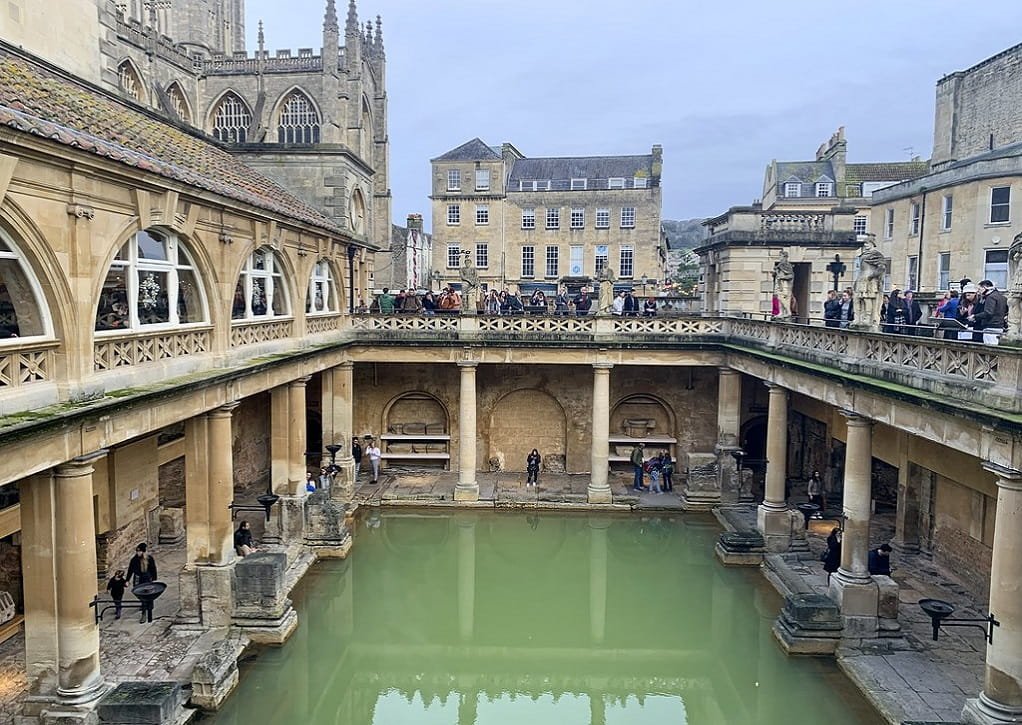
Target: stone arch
[
  {"x": 366, "y": 125},
  {"x": 297, "y": 117},
  {"x": 129, "y": 78},
  {"x": 513, "y": 433},
  {"x": 281, "y": 267},
  {"x": 642, "y": 416},
  {"x": 229, "y": 117},
  {"x": 336, "y": 284},
  {"x": 179, "y": 102},
  {"x": 416, "y": 413}
]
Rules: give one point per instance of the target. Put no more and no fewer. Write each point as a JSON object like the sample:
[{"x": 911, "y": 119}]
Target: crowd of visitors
[{"x": 660, "y": 469}]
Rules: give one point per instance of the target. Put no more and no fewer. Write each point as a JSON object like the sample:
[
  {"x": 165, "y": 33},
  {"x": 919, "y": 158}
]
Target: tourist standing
[
  {"x": 374, "y": 453},
  {"x": 532, "y": 467},
  {"x": 116, "y": 587},
  {"x": 815, "y": 491},
  {"x": 583, "y": 303},
  {"x": 832, "y": 557},
  {"x": 667, "y": 466},
  {"x": 992, "y": 317},
  {"x": 636, "y": 459},
  {"x": 356, "y": 453},
  {"x": 846, "y": 309},
  {"x": 831, "y": 309},
  {"x": 142, "y": 570},
  {"x": 561, "y": 301},
  {"x": 649, "y": 307},
  {"x": 631, "y": 306},
  {"x": 654, "y": 475},
  {"x": 386, "y": 302},
  {"x": 243, "y": 540}
]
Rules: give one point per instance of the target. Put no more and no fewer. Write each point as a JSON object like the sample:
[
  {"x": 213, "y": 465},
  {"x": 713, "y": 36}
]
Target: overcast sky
[{"x": 724, "y": 86}]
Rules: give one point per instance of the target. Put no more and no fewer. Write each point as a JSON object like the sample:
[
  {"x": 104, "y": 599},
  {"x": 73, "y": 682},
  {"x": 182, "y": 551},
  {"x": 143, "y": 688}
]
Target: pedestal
[
  {"x": 701, "y": 490},
  {"x": 858, "y": 599},
  {"x": 776, "y": 526}
]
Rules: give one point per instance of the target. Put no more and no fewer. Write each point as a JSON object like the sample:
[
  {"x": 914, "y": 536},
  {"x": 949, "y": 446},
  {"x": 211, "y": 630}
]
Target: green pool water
[{"x": 501, "y": 618}]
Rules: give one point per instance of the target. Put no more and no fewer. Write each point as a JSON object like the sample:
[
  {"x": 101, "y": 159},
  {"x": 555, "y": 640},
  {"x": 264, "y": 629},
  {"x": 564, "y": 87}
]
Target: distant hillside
[{"x": 684, "y": 234}]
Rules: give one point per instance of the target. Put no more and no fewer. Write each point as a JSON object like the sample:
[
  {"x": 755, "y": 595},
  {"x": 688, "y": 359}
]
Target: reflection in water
[{"x": 510, "y": 618}]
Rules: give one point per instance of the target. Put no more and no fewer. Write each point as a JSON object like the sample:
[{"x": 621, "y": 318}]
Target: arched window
[
  {"x": 129, "y": 79},
  {"x": 151, "y": 281},
  {"x": 367, "y": 133},
  {"x": 299, "y": 122},
  {"x": 231, "y": 119},
  {"x": 179, "y": 102},
  {"x": 261, "y": 291},
  {"x": 322, "y": 290},
  {"x": 22, "y": 313}
]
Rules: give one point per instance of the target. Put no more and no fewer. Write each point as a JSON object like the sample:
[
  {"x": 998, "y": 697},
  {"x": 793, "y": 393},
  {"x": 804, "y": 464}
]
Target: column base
[
  {"x": 775, "y": 525},
  {"x": 859, "y": 600},
  {"x": 466, "y": 492},
  {"x": 600, "y": 494},
  {"x": 84, "y": 695},
  {"x": 328, "y": 526},
  {"x": 984, "y": 711}
]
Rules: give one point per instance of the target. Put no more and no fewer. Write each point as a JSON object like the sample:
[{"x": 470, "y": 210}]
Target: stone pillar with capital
[
  {"x": 773, "y": 518},
  {"x": 467, "y": 488},
  {"x": 296, "y": 436},
  {"x": 1001, "y": 699},
  {"x": 729, "y": 402},
  {"x": 851, "y": 585},
  {"x": 599, "y": 476},
  {"x": 342, "y": 406},
  {"x": 221, "y": 484}
]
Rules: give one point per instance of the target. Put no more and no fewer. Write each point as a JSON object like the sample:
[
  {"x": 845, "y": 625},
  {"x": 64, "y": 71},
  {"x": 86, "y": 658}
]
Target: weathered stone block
[
  {"x": 140, "y": 702},
  {"x": 258, "y": 584},
  {"x": 740, "y": 548},
  {"x": 809, "y": 624},
  {"x": 701, "y": 489},
  {"x": 172, "y": 525},
  {"x": 216, "y": 674},
  {"x": 887, "y": 592}
]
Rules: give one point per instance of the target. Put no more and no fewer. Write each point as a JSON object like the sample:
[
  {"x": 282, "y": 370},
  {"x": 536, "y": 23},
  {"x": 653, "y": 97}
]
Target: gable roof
[
  {"x": 805, "y": 171},
  {"x": 583, "y": 167},
  {"x": 474, "y": 150},
  {"x": 41, "y": 100},
  {"x": 886, "y": 171}
]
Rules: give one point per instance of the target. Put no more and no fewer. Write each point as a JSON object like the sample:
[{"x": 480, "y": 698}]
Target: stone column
[
  {"x": 468, "y": 487},
  {"x": 599, "y": 480},
  {"x": 729, "y": 402},
  {"x": 466, "y": 576},
  {"x": 197, "y": 489},
  {"x": 773, "y": 518},
  {"x": 851, "y": 586},
  {"x": 279, "y": 440},
  {"x": 296, "y": 436},
  {"x": 1001, "y": 699},
  {"x": 79, "y": 678},
  {"x": 221, "y": 484},
  {"x": 342, "y": 402},
  {"x": 598, "y": 579}
]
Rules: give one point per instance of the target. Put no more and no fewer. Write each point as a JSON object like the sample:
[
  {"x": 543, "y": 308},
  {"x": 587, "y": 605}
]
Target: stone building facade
[{"x": 535, "y": 222}]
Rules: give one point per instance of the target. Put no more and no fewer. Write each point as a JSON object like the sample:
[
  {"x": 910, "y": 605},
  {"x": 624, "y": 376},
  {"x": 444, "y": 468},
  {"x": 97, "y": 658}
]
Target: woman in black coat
[{"x": 832, "y": 557}]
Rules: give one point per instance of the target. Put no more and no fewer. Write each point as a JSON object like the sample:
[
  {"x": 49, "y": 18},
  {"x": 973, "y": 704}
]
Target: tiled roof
[
  {"x": 474, "y": 150},
  {"x": 41, "y": 101},
  {"x": 887, "y": 171},
  {"x": 582, "y": 167},
  {"x": 804, "y": 171}
]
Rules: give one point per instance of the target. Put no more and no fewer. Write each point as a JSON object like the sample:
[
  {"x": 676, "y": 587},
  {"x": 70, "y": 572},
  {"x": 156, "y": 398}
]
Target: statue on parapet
[
  {"x": 1014, "y": 292},
  {"x": 784, "y": 275},
  {"x": 469, "y": 286},
  {"x": 868, "y": 287},
  {"x": 606, "y": 279}
]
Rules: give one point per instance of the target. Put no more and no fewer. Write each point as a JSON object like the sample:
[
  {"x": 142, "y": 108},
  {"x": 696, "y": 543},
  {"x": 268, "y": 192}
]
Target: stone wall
[
  {"x": 114, "y": 549},
  {"x": 963, "y": 534},
  {"x": 251, "y": 431},
  {"x": 172, "y": 483},
  {"x": 10, "y": 570}
]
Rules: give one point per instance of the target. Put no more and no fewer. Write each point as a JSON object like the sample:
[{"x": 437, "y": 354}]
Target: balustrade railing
[
  {"x": 110, "y": 353},
  {"x": 323, "y": 323},
  {"x": 251, "y": 333},
  {"x": 26, "y": 365}
]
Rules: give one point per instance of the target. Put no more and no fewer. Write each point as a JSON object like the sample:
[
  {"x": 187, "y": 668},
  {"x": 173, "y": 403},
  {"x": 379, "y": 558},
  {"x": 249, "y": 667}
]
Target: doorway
[{"x": 800, "y": 291}]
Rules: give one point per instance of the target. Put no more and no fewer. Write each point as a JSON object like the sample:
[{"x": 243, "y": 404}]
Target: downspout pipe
[{"x": 922, "y": 232}]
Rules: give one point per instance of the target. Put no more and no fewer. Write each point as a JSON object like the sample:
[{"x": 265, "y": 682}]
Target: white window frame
[
  {"x": 269, "y": 280},
  {"x": 528, "y": 261},
  {"x": 1006, "y": 205},
  {"x": 639, "y": 182},
  {"x": 453, "y": 215},
  {"x": 453, "y": 179},
  {"x": 482, "y": 214},
  {"x": 529, "y": 218},
  {"x": 553, "y": 217},
  {"x": 576, "y": 260},
  {"x": 996, "y": 272},
  {"x": 482, "y": 179},
  {"x": 553, "y": 254},
  {"x": 911, "y": 272},
  {"x": 601, "y": 259},
  {"x": 947, "y": 205},
  {"x": 626, "y": 261},
  {"x": 860, "y": 224},
  {"x": 453, "y": 255},
  {"x": 603, "y": 218},
  {"x": 628, "y": 217},
  {"x": 616, "y": 182},
  {"x": 824, "y": 189},
  {"x": 944, "y": 270},
  {"x": 323, "y": 296},
  {"x": 792, "y": 189},
  {"x": 889, "y": 223},
  {"x": 578, "y": 218},
  {"x": 13, "y": 253},
  {"x": 915, "y": 210},
  {"x": 482, "y": 255},
  {"x": 579, "y": 184}
]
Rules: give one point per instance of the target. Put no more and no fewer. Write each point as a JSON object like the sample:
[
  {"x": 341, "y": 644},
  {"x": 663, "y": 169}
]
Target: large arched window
[
  {"x": 231, "y": 119},
  {"x": 298, "y": 122},
  {"x": 322, "y": 290},
  {"x": 22, "y": 314},
  {"x": 261, "y": 290},
  {"x": 179, "y": 102},
  {"x": 151, "y": 281},
  {"x": 129, "y": 79}
]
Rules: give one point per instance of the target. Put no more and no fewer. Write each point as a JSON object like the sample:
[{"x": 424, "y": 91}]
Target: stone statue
[
  {"x": 784, "y": 275},
  {"x": 469, "y": 286},
  {"x": 868, "y": 287},
  {"x": 1014, "y": 292},
  {"x": 606, "y": 281}
]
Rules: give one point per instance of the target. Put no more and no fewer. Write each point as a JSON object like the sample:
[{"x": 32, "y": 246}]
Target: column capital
[
  {"x": 855, "y": 419},
  {"x": 1008, "y": 478},
  {"x": 725, "y": 370},
  {"x": 300, "y": 382},
  {"x": 467, "y": 364},
  {"x": 598, "y": 366},
  {"x": 79, "y": 466},
  {"x": 346, "y": 365},
  {"x": 775, "y": 388},
  {"x": 224, "y": 411}
]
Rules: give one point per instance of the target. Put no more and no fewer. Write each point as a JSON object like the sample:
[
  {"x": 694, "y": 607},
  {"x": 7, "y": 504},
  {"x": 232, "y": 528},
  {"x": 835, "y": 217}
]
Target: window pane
[
  {"x": 189, "y": 301},
  {"x": 151, "y": 246},
  {"x": 112, "y": 312},
  {"x": 238, "y": 306},
  {"x": 20, "y": 315},
  {"x": 153, "y": 307},
  {"x": 260, "y": 299}
]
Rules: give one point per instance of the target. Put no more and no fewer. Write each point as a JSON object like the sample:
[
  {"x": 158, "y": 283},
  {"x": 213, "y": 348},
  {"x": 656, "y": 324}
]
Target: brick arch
[{"x": 525, "y": 419}]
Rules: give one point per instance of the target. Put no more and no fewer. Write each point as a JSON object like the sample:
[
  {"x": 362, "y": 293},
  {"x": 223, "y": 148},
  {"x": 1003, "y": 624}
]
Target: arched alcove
[
  {"x": 523, "y": 420},
  {"x": 642, "y": 417}
]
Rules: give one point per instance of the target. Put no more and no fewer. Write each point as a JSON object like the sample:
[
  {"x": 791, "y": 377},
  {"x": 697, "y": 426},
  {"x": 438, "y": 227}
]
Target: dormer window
[
  {"x": 639, "y": 182},
  {"x": 578, "y": 184},
  {"x": 824, "y": 188},
  {"x": 792, "y": 188}
]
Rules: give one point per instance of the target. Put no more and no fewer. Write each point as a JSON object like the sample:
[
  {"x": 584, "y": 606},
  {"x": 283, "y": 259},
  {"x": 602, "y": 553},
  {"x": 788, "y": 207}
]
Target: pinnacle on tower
[
  {"x": 351, "y": 24},
  {"x": 330, "y": 17},
  {"x": 369, "y": 31},
  {"x": 378, "y": 41},
  {"x": 261, "y": 38}
]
